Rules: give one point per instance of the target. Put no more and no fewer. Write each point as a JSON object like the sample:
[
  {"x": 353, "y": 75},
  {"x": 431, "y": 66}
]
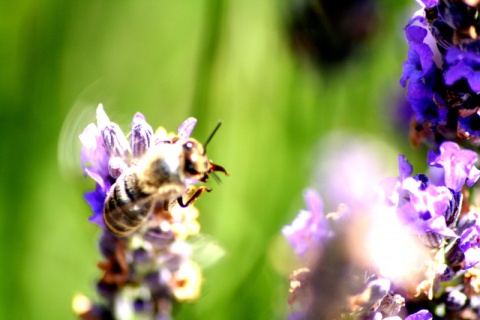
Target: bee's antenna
[
  {"x": 216, "y": 177},
  {"x": 211, "y": 136}
]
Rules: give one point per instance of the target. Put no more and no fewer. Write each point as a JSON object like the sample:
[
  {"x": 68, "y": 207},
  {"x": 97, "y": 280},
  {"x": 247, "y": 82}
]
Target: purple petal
[
  {"x": 404, "y": 167},
  {"x": 314, "y": 203},
  {"x": 94, "y": 157},
  {"x": 457, "y": 72},
  {"x": 472, "y": 257},
  {"x": 390, "y": 188},
  {"x": 463, "y": 65},
  {"x": 427, "y": 3},
  {"x": 186, "y": 128},
  {"x": 309, "y": 227},
  {"x": 297, "y": 315},
  {"x": 469, "y": 244},
  {"x": 96, "y": 200},
  {"x": 426, "y": 208},
  {"x": 415, "y": 37},
  {"x": 420, "y": 315},
  {"x": 459, "y": 165},
  {"x": 141, "y": 137}
]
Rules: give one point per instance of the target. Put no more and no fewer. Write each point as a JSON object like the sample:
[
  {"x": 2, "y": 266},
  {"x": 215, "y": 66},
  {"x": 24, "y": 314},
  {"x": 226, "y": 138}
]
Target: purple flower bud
[
  {"x": 455, "y": 256},
  {"x": 424, "y": 181},
  {"x": 431, "y": 239},
  {"x": 143, "y": 306},
  {"x": 453, "y": 211},
  {"x": 107, "y": 290},
  {"x": 420, "y": 315},
  {"x": 113, "y": 138},
  {"x": 455, "y": 300},
  {"x": 142, "y": 256},
  {"x": 141, "y": 137},
  {"x": 470, "y": 245},
  {"x": 158, "y": 238},
  {"x": 107, "y": 244},
  {"x": 157, "y": 285},
  {"x": 444, "y": 273}
]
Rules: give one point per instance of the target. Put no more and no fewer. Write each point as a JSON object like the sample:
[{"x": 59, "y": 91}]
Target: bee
[{"x": 159, "y": 177}]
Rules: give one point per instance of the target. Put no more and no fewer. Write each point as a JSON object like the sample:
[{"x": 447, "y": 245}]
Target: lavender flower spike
[
  {"x": 459, "y": 165},
  {"x": 309, "y": 227},
  {"x": 146, "y": 272}
]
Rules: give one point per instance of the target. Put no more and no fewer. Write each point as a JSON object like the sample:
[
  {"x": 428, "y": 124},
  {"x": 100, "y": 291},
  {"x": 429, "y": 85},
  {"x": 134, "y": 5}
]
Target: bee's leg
[{"x": 193, "y": 198}]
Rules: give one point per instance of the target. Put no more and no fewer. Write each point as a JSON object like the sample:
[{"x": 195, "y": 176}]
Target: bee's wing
[
  {"x": 69, "y": 144},
  {"x": 205, "y": 250},
  {"x": 186, "y": 128}
]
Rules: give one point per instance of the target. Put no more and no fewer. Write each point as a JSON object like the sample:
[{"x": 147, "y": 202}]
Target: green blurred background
[{"x": 228, "y": 60}]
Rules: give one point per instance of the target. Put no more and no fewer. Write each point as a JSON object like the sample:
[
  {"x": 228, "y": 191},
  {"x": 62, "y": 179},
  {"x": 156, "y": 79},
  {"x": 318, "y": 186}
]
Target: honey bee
[{"x": 159, "y": 177}]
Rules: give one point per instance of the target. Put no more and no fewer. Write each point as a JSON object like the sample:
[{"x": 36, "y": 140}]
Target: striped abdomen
[{"x": 126, "y": 207}]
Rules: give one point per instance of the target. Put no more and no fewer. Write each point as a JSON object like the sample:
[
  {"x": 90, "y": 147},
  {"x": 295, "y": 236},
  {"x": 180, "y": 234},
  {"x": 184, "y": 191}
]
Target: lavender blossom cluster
[
  {"x": 435, "y": 213},
  {"x": 413, "y": 252},
  {"x": 145, "y": 273},
  {"x": 442, "y": 72}
]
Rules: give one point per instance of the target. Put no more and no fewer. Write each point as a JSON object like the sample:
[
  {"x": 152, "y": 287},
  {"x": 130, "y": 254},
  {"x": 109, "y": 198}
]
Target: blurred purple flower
[{"x": 309, "y": 227}]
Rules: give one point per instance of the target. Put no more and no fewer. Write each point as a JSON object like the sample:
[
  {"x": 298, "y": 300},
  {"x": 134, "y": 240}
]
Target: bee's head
[{"x": 197, "y": 164}]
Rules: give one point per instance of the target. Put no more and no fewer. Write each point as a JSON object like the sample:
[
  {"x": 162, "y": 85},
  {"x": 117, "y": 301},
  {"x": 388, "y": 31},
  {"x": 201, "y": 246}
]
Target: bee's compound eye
[{"x": 188, "y": 146}]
